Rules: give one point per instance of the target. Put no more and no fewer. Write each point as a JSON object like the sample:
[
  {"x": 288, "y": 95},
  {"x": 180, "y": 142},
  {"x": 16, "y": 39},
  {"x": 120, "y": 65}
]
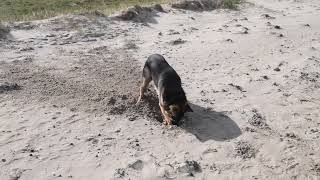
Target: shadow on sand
[
  {"x": 203, "y": 123},
  {"x": 210, "y": 125}
]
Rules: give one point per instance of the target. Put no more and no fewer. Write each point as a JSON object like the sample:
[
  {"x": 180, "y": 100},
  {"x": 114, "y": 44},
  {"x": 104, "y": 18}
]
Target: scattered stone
[
  {"x": 3, "y": 160},
  {"x": 177, "y": 41},
  {"x": 316, "y": 168},
  {"x": 275, "y": 84},
  {"x": 190, "y": 167},
  {"x": 291, "y": 135},
  {"x": 237, "y": 87},
  {"x": 265, "y": 77},
  {"x": 133, "y": 118},
  {"x": 93, "y": 140},
  {"x": 267, "y": 16},
  {"x": 307, "y": 25},
  {"x": 5, "y": 87},
  {"x": 245, "y": 150},
  {"x": 194, "y": 29},
  {"x": 173, "y": 32},
  {"x": 248, "y": 129},
  {"x": 120, "y": 173},
  {"x": 137, "y": 165},
  {"x": 245, "y": 30},
  {"x": 276, "y": 69},
  {"x": 73, "y": 109},
  {"x": 26, "y": 49},
  {"x": 229, "y": 40},
  {"x": 213, "y": 167},
  {"x": 210, "y": 150},
  {"x": 277, "y": 27},
  {"x": 310, "y": 76}
]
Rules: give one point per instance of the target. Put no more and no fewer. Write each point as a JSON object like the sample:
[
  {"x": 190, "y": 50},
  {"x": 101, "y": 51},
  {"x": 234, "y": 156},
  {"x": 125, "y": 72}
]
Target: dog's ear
[{"x": 188, "y": 108}]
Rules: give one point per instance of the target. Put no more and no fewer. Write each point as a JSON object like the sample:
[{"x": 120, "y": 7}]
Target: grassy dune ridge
[{"x": 13, "y": 10}]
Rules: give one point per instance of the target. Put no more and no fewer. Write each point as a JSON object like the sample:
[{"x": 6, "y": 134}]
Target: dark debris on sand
[
  {"x": 257, "y": 120},
  {"x": 5, "y": 87},
  {"x": 245, "y": 150},
  {"x": 140, "y": 14},
  {"x": 4, "y": 31}
]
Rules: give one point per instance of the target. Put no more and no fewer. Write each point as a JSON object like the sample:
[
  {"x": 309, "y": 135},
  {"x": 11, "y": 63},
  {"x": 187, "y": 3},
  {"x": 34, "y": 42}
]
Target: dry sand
[{"x": 68, "y": 86}]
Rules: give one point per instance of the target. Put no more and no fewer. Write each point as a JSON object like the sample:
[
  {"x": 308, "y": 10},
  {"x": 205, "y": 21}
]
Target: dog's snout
[{"x": 178, "y": 117}]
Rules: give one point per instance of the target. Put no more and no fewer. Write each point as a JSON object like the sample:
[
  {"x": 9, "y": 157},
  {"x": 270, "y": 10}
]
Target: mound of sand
[
  {"x": 111, "y": 86},
  {"x": 140, "y": 14},
  {"x": 4, "y": 31}
]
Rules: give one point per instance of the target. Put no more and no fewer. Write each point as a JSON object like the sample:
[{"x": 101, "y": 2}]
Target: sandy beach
[{"x": 68, "y": 87}]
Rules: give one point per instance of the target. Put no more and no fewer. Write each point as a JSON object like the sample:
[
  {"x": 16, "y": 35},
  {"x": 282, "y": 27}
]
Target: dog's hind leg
[{"x": 145, "y": 82}]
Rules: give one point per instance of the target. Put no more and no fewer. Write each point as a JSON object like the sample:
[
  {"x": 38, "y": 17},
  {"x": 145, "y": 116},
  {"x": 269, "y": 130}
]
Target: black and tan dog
[{"x": 172, "y": 99}]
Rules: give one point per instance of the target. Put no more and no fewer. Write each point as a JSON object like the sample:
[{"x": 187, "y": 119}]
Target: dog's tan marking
[{"x": 167, "y": 119}]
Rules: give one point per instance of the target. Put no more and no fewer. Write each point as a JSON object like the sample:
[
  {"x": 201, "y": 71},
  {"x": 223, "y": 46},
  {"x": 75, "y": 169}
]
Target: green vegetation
[
  {"x": 11, "y": 10},
  {"x": 39, "y": 9},
  {"x": 231, "y": 4}
]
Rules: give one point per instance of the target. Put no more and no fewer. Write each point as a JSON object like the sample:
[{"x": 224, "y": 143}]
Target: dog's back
[{"x": 162, "y": 73}]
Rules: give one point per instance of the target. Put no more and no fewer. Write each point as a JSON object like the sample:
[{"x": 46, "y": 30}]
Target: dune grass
[
  {"x": 231, "y": 4},
  {"x": 14, "y": 10}
]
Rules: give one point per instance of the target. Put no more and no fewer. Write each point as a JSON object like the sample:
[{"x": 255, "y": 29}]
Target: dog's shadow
[
  {"x": 204, "y": 123},
  {"x": 207, "y": 124}
]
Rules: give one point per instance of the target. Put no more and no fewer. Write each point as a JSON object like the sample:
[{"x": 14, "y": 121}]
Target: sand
[{"x": 68, "y": 86}]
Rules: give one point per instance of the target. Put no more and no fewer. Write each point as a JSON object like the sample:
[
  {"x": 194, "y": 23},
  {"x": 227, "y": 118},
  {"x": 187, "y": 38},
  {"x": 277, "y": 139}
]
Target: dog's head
[{"x": 177, "y": 111}]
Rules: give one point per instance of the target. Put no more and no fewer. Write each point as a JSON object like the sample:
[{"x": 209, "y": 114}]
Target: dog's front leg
[{"x": 166, "y": 118}]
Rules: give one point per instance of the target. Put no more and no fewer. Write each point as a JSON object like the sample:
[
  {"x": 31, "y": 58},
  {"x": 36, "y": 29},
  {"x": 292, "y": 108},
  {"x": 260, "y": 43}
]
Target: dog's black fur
[{"x": 172, "y": 98}]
